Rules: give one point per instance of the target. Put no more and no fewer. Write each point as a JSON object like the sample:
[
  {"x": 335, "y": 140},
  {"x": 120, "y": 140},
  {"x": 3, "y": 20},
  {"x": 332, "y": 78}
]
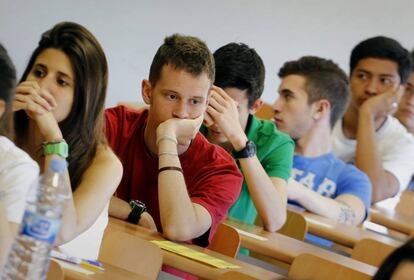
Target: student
[
  {"x": 59, "y": 104},
  {"x": 399, "y": 265},
  {"x": 368, "y": 135},
  {"x": 313, "y": 95},
  {"x": 405, "y": 112},
  {"x": 264, "y": 154},
  {"x": 13, "y": 163},
  {"x": 185, "y": 183}
]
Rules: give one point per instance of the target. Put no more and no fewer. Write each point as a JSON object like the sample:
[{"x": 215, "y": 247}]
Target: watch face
[{"x": 248, "y": 151}]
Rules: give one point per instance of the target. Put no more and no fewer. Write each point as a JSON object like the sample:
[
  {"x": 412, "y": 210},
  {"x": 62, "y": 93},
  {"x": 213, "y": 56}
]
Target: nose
[
  {"x": 180, "y": 110},
  {"x": 46, "y": 83},
  {"x": 372, "y": 87},
  {"x": 276, "y": 105}
]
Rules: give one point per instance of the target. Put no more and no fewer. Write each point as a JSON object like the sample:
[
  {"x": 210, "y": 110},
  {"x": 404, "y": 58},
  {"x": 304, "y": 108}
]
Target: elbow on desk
[
  {"x": 275, "y": 223},
  {"x": 178, "y": 233}
]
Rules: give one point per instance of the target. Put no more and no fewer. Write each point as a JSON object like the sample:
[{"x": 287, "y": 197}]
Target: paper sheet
[{"x": 193, "y": 254}]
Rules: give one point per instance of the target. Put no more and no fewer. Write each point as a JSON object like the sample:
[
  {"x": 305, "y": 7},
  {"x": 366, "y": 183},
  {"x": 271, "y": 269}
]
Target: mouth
[
  {"x": 215, "y": 132},
  {"x": 277, "y": 120}
]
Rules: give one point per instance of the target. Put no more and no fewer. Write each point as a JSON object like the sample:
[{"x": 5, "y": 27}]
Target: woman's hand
[{"x": 38, "y": 105}]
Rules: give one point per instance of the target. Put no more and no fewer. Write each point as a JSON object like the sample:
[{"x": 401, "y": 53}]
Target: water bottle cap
[{"x": 58, "y": 165}]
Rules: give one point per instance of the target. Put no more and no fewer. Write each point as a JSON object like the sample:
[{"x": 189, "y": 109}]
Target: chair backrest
[
  {"x": 307, "y": 266},
  {"x": 265, "y": 112},
  {"x": 405, "y": 205},
  {"x": 371, "y": 251},
  {"x": 225, "y": 241},
  {"x": 234, "y": 275},
  {"x": 55, "y": 271},
  {"x": 131, "y": 253},
  {"x": 295, "y": 226}
]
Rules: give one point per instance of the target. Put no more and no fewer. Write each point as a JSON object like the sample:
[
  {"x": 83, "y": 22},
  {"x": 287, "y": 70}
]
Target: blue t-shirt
[{"x": 331, "y": 177}]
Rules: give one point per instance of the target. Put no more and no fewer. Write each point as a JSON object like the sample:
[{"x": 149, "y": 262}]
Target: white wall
[{"x": 280, "y": 30}]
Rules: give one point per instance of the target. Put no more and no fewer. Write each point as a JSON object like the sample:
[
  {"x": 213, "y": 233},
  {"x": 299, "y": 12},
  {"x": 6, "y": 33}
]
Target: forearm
[
  {"x": 269, "y": 199},
  {"x": 323, "y": 206},
  {"x": 178, "y": 216},
  {"x": 119, "y": 208},
  {"x": 368, "y": 160}
]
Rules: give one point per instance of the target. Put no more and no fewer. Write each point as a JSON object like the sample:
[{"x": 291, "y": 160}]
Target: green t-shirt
[{"x": 274, "y": 150}]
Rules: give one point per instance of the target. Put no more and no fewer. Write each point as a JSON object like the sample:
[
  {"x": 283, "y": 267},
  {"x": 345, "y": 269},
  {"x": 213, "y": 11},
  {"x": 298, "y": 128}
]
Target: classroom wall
[{"x": 280, "y": 30}]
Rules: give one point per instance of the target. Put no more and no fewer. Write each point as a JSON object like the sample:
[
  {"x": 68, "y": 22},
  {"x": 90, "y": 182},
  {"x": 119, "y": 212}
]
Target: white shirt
[
  {"x": 18, "y": 172},
  {"x": 395, "y": 146},
  {"x": 87, "y": 244}
]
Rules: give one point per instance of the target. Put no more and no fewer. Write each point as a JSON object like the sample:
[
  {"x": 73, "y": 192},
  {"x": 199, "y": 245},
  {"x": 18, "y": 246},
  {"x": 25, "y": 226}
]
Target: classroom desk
[
  {"x": 285, "y": 249},
  {"x": 392, "y": 220},
  {"x": 191, "y": 266},
  {"x": 110, "y": 272},
  {"x": 345, "y": 235}
]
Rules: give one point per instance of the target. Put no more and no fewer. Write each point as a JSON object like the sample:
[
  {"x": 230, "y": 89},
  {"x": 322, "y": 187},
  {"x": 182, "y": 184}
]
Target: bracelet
[
  {"x": 167, "y": 153},
  {"x": 166, "y": 137},
  {"x": 175, "y": 168},
  {"x": 54, "y": 141}
]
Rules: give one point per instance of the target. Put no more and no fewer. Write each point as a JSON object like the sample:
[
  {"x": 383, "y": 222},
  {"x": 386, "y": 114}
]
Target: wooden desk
[
  {"x": 345, "y": 235},
  {"x": 110, "y": 272},
  {"x": 392, "y": 220},
  {"x": 191, "y": 266},
  {"x": 286, "y": 249}
]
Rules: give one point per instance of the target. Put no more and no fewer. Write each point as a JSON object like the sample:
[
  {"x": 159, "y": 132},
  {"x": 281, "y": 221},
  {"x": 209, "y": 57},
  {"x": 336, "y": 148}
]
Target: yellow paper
[{"x": 193, "y": 254}]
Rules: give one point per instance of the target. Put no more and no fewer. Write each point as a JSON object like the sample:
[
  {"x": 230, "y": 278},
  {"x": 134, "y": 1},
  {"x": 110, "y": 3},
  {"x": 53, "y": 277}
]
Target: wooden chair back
[
  {"x": 265, "y": 112},
  {"x": 307, "y": 266},
  {"x": 371, "y": 251},
  {"x": 55, "y": 271},
  {"x": 131, "y": 253},
  {"x": 405, "y": 205},
  {"x": 234, "y": 275},
  {"x": 225, "y": 241},
  {"x": 295, "y": 226}
]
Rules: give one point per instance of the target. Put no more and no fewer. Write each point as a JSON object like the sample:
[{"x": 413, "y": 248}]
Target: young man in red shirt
[{"x": 186, "y": 183}]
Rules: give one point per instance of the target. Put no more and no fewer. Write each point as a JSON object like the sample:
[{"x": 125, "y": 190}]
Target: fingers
[
  {"x": 22, "y": 102},
  {"x": 208, "y": 120},
  {"x": 40, "y": 96}
]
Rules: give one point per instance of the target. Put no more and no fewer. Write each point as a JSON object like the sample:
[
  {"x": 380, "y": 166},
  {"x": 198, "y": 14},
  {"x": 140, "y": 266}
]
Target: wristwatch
[
  {"x": 248, "y": 151},
  {"x": 137, "y": 208},
  {"x": 59, "y": 148}
]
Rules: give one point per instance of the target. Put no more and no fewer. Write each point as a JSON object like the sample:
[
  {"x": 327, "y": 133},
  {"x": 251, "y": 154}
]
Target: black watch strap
[
  {"x": 248, "y": 151},
  {"x": 137, "y": 208}
]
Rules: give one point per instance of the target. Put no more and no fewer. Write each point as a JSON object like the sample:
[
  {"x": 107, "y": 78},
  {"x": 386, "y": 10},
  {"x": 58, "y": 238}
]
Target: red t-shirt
[{"x": 213, "y": 179}]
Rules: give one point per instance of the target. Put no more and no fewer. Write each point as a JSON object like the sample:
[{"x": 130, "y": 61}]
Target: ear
[
  {"x": 146, "y": 91},
  {"x": 321, "y": 108},
  {"x": 2, "y": 107},
  {"x": 256, "y": 106}
]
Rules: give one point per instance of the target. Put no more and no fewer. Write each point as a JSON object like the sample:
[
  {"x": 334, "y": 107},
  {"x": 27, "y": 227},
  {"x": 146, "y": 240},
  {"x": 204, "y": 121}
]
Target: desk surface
[
  {"x": 393, "y": 220},
  {"x": 286, "y": 249},
  {"x": 192, "y": 266},
  {"x": 110, "y": 272},
  {"x": 345, "y": 235}
]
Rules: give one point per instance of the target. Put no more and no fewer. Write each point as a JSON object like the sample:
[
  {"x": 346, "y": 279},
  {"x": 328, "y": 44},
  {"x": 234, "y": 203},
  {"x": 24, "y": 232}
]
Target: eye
[
  {"x": 386, "y": 81},
  {"x": 194, "y": 102},
  {"x": 62, "y": 82},
  {"x": 362, "y": 76},
  {"x": 38, "y": 72},
  {"x": 171, "y": 96}
]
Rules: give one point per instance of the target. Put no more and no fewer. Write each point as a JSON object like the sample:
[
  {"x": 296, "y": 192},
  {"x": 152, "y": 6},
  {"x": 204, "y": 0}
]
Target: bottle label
[{"x": 40, "y": 227}]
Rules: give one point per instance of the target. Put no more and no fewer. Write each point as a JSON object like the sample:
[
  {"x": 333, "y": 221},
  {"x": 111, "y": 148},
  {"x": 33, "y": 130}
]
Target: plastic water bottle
[{"x": 30, "y": 252}]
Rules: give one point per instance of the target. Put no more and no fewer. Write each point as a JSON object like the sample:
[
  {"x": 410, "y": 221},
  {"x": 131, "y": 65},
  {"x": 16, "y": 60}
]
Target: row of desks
[{"x": 274, "y": 245}]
